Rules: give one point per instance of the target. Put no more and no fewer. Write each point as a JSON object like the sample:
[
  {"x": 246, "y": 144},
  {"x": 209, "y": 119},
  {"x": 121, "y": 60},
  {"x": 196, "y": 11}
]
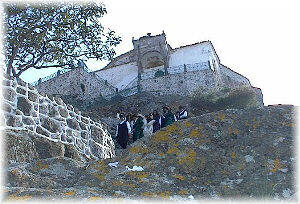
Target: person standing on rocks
[
  {"x": 157, "y": 123},
  {"x": 148, "y": 125},
  {"x": 123, "y": 131},
  {"x": 163, "y": 117},
  {"x": 169, "y": 116},
  {"x": 138, "y": 128}
]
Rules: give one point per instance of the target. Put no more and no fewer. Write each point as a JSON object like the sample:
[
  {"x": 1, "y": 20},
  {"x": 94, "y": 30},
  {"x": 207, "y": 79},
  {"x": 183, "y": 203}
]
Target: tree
[{"x": 44, "y": 35}]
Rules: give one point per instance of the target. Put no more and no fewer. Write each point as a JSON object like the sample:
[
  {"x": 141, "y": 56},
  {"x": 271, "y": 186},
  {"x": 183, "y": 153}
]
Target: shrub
[{"x": 223, "y": 98}]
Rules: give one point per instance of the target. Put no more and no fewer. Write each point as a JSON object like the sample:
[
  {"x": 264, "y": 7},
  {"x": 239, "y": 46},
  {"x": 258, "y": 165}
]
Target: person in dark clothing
[
  {"x": 123, "y": 132},
  {"x": 163, "y": 117},
  {"x": 157, "y": 123},
  {"x": 169, "y": 116},
  {"x": 183, "y": 114},
  {"x": 138, "y": 128}
]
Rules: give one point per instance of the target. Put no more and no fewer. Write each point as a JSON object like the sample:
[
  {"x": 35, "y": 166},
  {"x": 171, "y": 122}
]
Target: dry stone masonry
[{"x": 26, "y": 109}]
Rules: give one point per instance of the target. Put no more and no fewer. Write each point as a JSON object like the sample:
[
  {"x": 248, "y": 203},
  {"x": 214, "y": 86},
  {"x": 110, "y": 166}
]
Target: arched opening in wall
[
  {"x": 82, "y": 86},
  {"x": 152, "y": 59}
]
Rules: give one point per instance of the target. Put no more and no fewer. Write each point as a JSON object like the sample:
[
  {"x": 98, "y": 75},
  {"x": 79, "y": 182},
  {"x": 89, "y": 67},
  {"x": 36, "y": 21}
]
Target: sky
[{"x": 258, "y": 39}]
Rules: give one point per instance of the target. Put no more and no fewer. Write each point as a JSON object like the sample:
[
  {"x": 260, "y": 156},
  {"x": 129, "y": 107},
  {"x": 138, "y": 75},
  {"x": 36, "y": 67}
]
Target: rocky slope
[{"x": 226, "y": 154}]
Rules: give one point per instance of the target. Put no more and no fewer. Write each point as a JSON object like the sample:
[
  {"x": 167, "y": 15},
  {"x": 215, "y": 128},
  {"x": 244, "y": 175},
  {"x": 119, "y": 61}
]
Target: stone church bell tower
[{"x": 151, "y": 51}]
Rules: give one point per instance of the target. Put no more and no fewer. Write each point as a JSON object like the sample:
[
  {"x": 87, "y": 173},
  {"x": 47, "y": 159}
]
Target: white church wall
[
  {"x": 191, "y": 54},
  {"x": 119, "y": 76}
]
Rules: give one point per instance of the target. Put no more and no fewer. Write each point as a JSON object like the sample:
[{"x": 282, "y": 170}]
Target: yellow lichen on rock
[
  {"x": 39, "y": 166},
  {"x": 161, "y": 136},
  {"x": 70, "y": 193},
  {"x": 165, "y": 195},
  {"x": 291, "y": 124},
  {"x": 148, "y": 194},
  {"x": 161, "y": 154},
  {"x": 131, "y": 185},
  {"x": 138, "y": 175},
  {"x": 233, "y": 155},
  {"x": 94, "y": 198},
  {"x": 14, "y": 197},
  {"x": 180, "y": 177},
  {"x": 232, "y": 131},
  {"x": 172, "y": 128},
  {"x": 188, "y": 124},
  {"x": 138, "y": 150},
  {"x": 194, "y": 133},
  {"x": 101, "y": 177},
  {"x": 182, "y": 192},
  {"x": 188, "y": 159},
  {"x": 173, "y": 150},
  {"x": 276, "y": 166},
  {"x": 221, "y": 116},
  {"x": 102, "y": 169},
  {"x": 14, "y": 172},
  {"x": 118, "y": 183}
]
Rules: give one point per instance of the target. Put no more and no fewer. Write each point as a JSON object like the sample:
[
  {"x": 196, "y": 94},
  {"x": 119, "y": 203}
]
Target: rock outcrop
[{"x": 225, "y": 154}]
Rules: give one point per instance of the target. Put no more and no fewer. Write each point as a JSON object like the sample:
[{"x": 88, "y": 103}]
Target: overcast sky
[{"x": 254, "y": 38}]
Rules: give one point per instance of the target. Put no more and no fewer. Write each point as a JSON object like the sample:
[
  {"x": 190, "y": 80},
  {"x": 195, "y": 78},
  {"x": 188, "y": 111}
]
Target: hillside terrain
[{"x": 225, "y": 154}]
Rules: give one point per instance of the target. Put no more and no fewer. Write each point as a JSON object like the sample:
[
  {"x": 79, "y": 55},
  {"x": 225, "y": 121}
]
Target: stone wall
[
  {"x": 231, "y": 78},
  {"x": 181, "y": 84},
  {"x": 50, "y": 118},
  {"x": 150, "y": 73},
  {"x": 79, "y": 83}
]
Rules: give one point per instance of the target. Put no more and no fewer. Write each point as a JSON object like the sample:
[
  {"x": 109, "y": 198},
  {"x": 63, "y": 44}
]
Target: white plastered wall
[
  {"x": 119, "y": 76},
  {"x": 191, "y": 54}
]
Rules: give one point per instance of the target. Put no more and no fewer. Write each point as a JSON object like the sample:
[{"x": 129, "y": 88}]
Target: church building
[{"x": 151, "y": 66}]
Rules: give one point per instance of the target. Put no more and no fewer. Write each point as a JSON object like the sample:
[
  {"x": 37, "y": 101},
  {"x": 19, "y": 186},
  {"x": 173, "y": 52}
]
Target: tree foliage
[{"x": 60, "y": 35}]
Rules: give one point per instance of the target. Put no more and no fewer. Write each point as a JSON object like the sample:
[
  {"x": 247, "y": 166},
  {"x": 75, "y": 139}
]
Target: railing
[{"x": 177, "y": 69}]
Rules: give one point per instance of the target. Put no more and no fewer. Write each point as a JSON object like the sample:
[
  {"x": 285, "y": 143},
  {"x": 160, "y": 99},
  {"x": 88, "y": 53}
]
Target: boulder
[{"x": 19, "y": 147}]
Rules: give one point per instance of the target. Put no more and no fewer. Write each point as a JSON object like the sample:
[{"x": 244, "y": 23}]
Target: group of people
[{"x": 136, "y": 126}]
